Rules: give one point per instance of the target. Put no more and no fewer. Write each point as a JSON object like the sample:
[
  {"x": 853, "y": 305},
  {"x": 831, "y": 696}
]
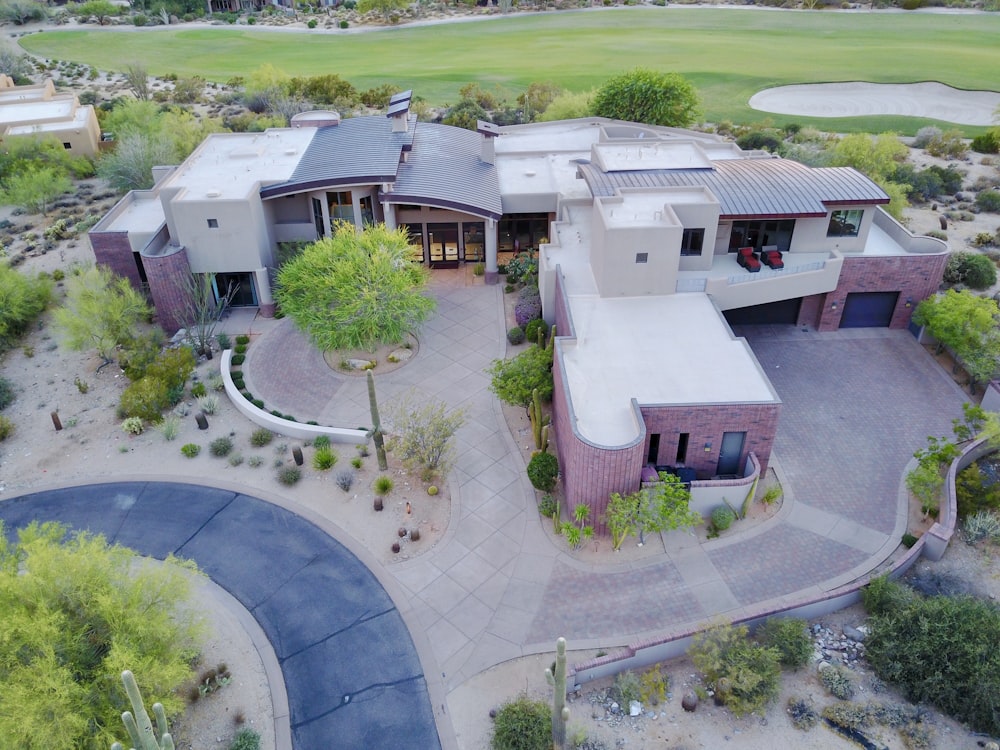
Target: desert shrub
[
  {"x": 981, "y": 525},
  {"x": 324, "y": 459},
  {"x": 988, "y": 142},
  {"x": 744, "y": 675},
  {"x": 543, "y": 471},
  {"x": 972, "y": 269},
  {"x": 243, "y": 339},
  {"x": 522, "y": 724},
  {"x": 802, "y": 713},
  {"x": 938, "y": 649},
  {"x": 626, "y": 687},
  {"x": 513, "y": 380},
  {"x": 548, "y": 506},
  {"x": 245, "y": 739},
  {"x": 938, "y": 234},
  {"x": 24, "y": 299},
  {"x": 261, "y": 437},
  {"x": 6, "y": 392},
  {"x": 312, "y": 23},
  {"x": 425, "y": 431},
  {"x": 838, "y": 681},
  {"x": 383, "y": 485},
  {"x": 190, "y": 450},
  {"x": 169, "y": 427},
  {"x": 989, "y": 200},
  {"x": 948, "y": 145},
  {"x": 722, "y": 518},
  {"x": 344, "y": 24},
  {"x": 224, "y": 341},
  {"x": 240, "y": 348},
  {"x": 132, "y": 426},
  {"x": 289, "y": 475},
  {"x": 344, "y": 479},
  {"x": 357, "y": 462},
  {"x": 198, "y": 389},
  {"x": 516, "y": 335},
  {"x": 528, "y": 306},
  {"x": 146, "y": 398},
  {"x": 790, "y": 636},
  {"x": 653, "y": 686},
  {"x": 534, "y": 326},
  {"x": 763, "y": 140},
  {"x": 925, "y": 136},
  {"x": 221, "y": 447},
  {"x": 208, "y": 404},
  {"x": 323, "y": 441},
  {"x": 973, "y": 492},
  {"x": 238, "y": 359},
  {"x": 848, "y": 715},
  {"x": 255, "y": 461},
  {"x": 6, "y": 428}
]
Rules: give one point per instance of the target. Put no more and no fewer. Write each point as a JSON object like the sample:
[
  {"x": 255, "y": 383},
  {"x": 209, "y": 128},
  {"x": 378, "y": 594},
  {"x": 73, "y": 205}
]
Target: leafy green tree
[
  {"x": 35, "y": 190},
  {"x": 537, "y": 98},
  {"x": 967, "y": 324},
  {"x": 877, "y": 158},
  {"x": 22, "y": 299},
  {"x": 101, "y": 311},
  {"x": 465, "y": 114},
  {"x": 746, "y": 677},
  {"x": 20, "y": 12},
  {"x": 137, "y": 80},
  {"x": 513, "y": 380},
  {"x": 568, "y": 106},
  {"x": 426, "y": 433},
  {"x": 76, "y": 612},
  {"x": 27, "y": 154},
  {"x": 644, "y": 95},
  {"x": 385, "y": 7},
  {"x": 355, "y": 290},
  {"x": 102, "y": 10},
  {"x": 651, "y": 510}
]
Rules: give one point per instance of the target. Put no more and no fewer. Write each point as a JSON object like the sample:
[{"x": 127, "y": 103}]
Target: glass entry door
[{"x": 442, "y": 241}]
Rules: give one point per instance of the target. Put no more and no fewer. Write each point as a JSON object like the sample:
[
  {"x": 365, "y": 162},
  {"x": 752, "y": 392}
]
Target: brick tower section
[{"x": 167, "y": 273}]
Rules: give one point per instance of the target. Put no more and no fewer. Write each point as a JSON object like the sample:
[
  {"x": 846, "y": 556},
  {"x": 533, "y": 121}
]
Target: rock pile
[{"x": 846, "y": 647}]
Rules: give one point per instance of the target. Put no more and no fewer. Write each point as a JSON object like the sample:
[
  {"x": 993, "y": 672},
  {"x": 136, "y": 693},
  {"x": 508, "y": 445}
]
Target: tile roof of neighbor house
[
  {"x": 759, "y": 188},
  {"x": 358, "y": 150},
  {"x": 444, "y": 169}
]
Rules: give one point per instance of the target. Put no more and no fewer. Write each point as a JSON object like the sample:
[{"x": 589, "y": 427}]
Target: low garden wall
[{"x": 283, "y": 426}]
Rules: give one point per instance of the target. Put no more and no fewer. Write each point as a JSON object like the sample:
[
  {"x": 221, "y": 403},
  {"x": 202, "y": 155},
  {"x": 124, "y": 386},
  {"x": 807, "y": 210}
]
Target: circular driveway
[{"x": 349, "y": 664}]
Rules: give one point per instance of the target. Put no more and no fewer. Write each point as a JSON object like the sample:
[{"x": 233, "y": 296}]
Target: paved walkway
[{"x": 856, "y": 405}]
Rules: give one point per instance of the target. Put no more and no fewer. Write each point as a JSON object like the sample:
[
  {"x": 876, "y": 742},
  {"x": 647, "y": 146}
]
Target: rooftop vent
[{"x": 489, "y": 131}]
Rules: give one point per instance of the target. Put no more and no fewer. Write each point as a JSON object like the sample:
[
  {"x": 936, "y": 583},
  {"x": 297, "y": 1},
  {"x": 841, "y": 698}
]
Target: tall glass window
[{"x": 474, "y": 241}]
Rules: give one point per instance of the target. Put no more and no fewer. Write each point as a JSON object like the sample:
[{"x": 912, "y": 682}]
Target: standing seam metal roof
[
  {"x": 752, "y": 187},
  {"x": 444, "y": 169},
  {"x": 358, "y": 150}
]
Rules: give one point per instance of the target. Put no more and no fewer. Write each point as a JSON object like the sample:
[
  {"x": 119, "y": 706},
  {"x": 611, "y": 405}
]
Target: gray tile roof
[
  {"x": 360, "y": 150},
  {"x": 444, "y": 169},
  {"x": 763, "y": 188}
]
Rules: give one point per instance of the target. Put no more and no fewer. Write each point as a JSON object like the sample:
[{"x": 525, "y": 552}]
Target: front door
[{"x": 731, "y": 452}]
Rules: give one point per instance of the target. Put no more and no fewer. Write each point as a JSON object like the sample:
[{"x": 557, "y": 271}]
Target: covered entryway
[
  {"x": 730, "y": 453},
  {"x": 869, "y": 309},
  {"x": 784, "y": 312}
]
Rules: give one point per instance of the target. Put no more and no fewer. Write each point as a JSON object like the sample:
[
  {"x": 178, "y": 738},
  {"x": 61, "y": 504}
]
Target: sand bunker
[{"x": 931, "y": 100}]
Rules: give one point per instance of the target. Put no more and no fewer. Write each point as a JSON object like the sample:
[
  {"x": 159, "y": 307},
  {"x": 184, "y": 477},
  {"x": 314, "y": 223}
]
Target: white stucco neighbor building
[
  {"x": 37, "y": 110},
  {"x": 650, "y": 241}
]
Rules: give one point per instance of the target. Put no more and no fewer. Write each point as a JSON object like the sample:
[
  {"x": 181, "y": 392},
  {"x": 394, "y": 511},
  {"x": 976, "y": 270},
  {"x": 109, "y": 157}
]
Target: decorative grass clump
[
  {"x": 191, "y": 449},
  {"x": 289, "y": 475},
  {"x": 324, "y": 459},
  {"x": 383, "y": 485},
  {"x": 261, "y": 437},
  {"x": 221, "y": 447}
]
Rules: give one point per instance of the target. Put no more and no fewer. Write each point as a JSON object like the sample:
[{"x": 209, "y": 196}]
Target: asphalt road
[{"x": 350, "y": 668}]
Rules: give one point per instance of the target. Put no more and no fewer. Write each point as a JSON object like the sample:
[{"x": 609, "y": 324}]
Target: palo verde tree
[
  {"x": 101, "y": 311},
  {"x": 877, "y": 157},
  {"x": 76, "y": 613},
  {"x": 35, "y": 189},
  {"x": 644, "y": 95},
  {"x": 966, "y": 324},
  {"x": 355, "y": 290},
  {"x": 22, "y": 299},
  {"x": 664, "y": 507}
]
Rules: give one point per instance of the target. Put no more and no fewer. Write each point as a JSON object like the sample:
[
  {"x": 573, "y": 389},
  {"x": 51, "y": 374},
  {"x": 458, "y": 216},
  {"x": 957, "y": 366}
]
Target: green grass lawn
[{"x": 729, "y": 54}]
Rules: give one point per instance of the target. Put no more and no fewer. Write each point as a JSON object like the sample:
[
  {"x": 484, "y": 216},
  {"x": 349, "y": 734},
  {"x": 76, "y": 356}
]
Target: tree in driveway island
[
  {"x": 355, "y": 290},
  {"x": 663, "y": 507}
]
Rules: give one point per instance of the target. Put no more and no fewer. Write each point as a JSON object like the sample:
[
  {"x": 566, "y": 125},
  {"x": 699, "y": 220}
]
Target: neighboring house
[
  {"x": 37, "y": 110},
  {"x": 638, "y": 231}
]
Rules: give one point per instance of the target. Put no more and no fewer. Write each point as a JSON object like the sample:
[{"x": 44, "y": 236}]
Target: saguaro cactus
[
  {"x": 560, "y": 714},
  {"x": 383, "y": 465},
  {"x": 139, "y": 728}
]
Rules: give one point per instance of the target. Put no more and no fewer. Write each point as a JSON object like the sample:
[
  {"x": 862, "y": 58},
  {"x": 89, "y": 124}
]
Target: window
[
  {"x": 341, "y": 206},
  {"x": 845, "y": 223},
  {"x": 641, "y": 257},
  {"x": 67, "y": 146},
  {"x": 682, "y": 447},
  {"x": 213, "y": 223},
  {"x": 692, "y": 241},
  {"x": 474, "y": 240},
  {"x": 756, "y": 234},
  {"x": 318, "y": 217}
]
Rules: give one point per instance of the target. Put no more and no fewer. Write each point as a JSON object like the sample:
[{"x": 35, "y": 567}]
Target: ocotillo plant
[
  {"x": 139, "y": 728},
  {"x": 383, "y": 465},
  {"x": 560, "y": 714}
]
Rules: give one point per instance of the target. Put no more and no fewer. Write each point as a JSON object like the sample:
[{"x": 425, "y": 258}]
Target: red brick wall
[
  {"x": 915, "y": 277},
  {"x": 810, "y": 310},
  {"x": 112, "y": 249},
  {"x": 706, "y": 424},
  {"x": 166, "y": 275}
]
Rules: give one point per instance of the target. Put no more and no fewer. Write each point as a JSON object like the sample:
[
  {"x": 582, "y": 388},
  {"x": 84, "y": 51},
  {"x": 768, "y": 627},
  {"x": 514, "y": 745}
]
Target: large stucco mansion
[{"x": 651, "y": 242}]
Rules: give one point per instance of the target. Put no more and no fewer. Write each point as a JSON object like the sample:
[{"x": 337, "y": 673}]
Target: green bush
[
  {"x": 522, "y": 724},
  {"x": 261, "y": 437},
  {"x": 6, "y": 428},
  {"x": 988, "y": 142},
  {"x": 543, "y": 471},
  {"x": 139, "y": 19},
  {"x": 323, "y": 441},
  {"x": 7, "y": 395},
  {"x": 238, "y": 359},
  {"x": 548, "y": 506},
  {"x": 324, "y": 459},
  {"x": 744, "y": 675},
  {"x": 344, "y": 24},
  {"x": 198, "y": 389},
  {"x": 245, "y": 739},
  {"x": 531, "y": 330},
  {"x": 289, "y": 475},
  {"x": 513, "y": 380},
  {"x": 221, "y": 447},
  {"x": 939, "y": 650},
  {"x": 988, "y": 200},
  {"x": 240, "y": 349},
  {"x": 146, "y": 398},
  {"x": 722, "y": 518},
  {"x": 383, "y": 485},
  {"x": 838, "y": 681},
  {"x": 243, "y": 339},
  {"x": 973, "y": 492},
  {"x": 312, "y": 23},
  {"x": 972, "y": 269},
  {"x": 191, "y": 449},
  {"x": 23, "y": 300},
  {"x": 790, "y": 636},
  {"x": 516, "y": 335}
]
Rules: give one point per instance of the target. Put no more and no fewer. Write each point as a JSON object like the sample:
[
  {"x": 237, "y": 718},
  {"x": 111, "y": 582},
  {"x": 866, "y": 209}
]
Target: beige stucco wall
[
  {"x": 615, "y": 243},
  {"x": 810, "y": 234},
  {"x": 699, "y": 216},
  {"x": 241, "y": 243}
]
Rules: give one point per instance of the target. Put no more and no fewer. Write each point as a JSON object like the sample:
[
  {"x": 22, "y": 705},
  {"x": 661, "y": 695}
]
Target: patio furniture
[
  {"x": 747, "y": 259},
  {"x": 770, "y": 256}
]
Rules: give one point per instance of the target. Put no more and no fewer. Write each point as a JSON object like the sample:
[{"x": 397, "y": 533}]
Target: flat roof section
[
  {"x": 36, "y": 111},
  {"x": 144, "y": 213},
  {"x": 628, "y": 157},
  {"x": 80, "y": 120},
  {"x": 232, "y": 165}
]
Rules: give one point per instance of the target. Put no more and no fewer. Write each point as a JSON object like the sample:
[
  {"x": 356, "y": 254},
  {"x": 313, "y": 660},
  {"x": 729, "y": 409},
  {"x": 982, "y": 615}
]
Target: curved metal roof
[{"x": 761, "y": 188}]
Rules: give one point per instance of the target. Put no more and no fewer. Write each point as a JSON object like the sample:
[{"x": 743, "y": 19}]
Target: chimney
[
  {"x": 489, "y": 131},
  {"x": 399, "y": 111}
]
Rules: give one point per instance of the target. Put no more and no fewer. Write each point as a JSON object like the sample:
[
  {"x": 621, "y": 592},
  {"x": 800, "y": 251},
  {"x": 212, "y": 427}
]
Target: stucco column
[
  {"x": 265, "y": 301},
  {"x": 492, "y": 277},
  {"x": 389, "y": 211}
]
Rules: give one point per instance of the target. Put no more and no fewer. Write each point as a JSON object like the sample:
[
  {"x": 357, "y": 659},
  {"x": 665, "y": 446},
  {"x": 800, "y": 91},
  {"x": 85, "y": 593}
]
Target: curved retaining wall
[
  {"x": 931, "y": 545},
  {"x": 279, "y": 425}
]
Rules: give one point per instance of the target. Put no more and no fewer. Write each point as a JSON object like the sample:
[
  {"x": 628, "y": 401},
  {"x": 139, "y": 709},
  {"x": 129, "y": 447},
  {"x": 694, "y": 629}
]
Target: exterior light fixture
[
  {"x": 708, "y": 447},
  {"x": 834, "y": 305},
  {"x": 909, "y": 301}
]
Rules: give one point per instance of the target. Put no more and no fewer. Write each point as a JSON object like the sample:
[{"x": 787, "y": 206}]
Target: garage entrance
[
  {"x": 869, "y": 309},
  {"x": 785, "y": 312}
]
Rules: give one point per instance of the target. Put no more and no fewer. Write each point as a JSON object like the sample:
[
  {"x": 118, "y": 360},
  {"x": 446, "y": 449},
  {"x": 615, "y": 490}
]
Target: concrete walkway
[{"x": 857, "y": 404}]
